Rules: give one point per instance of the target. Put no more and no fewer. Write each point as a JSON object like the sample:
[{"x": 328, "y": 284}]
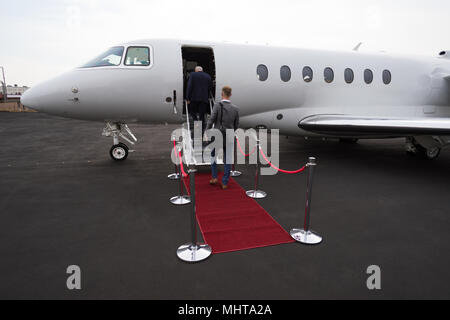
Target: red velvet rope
[
  {"x": 184, "y": 174},
  {"x": 278, "y": 169},
  {"x": 186, "y": 186},
  {"x": 181, "y": 165},
  {"x": 175, "y": 147},
  {"x": 242, "y": 151},
  {"x": 180, "y": 159}
]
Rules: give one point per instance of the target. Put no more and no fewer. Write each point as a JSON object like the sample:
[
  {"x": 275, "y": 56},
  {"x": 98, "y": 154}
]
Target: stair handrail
[{"x": 187, "y": 139}]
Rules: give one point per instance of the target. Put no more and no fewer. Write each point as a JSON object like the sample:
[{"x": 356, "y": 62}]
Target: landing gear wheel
[
  {"x": 348, "y": 140},
  {"x": 411, "y": 153},
  {"x": 417, "y": 150},
  {"x": 119, "y": 152},
  {"x": 431, "y": 154}
]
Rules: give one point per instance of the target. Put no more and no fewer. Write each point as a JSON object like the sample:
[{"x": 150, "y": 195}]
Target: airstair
[{"x": 193, "y": 144}]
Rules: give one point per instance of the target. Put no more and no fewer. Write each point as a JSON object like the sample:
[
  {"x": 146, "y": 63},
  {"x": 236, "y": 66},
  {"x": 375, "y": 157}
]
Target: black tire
[
  {"x": 428, "y": 154},
  {"x": 119, "y": 152},
  {"x": 432, "y": 154},
  {"x": 348, "y": 140},
  {"x": 411, "y": 153}
]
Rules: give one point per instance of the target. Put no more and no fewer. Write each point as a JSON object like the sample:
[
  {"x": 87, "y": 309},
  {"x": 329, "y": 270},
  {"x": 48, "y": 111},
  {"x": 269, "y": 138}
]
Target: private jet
[{"x": 302, "y": 92}]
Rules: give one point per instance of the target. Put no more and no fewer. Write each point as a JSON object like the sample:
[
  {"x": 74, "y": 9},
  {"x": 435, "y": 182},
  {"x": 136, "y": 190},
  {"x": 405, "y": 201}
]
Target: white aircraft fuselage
[{"x": 418, "y": 89}]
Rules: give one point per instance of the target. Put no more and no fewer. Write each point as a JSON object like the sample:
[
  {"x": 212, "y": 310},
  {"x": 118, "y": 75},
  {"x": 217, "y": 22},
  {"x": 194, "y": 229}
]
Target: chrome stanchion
[
  {"x": 181, "y": 199},
  {"x": 256, "y": 193},
  {"x": 305, "y": 235},
  {"x": 234, "y": 173},
  {"x": 193, "y": 251},
  {"x": 176, "y": 174}
]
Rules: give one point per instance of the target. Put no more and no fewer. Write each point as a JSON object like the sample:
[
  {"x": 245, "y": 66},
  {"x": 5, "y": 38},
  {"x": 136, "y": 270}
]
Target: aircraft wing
[{"x": 344, "y": 125}]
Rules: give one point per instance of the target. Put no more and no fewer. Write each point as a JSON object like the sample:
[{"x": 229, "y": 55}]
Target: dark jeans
[
  {"x": 199, "y": 110},
  {"x": 228, "y": 154}
]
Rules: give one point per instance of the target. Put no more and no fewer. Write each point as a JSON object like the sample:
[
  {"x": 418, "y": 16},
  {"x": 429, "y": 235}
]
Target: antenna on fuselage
[{"x": 357, "y": 46}]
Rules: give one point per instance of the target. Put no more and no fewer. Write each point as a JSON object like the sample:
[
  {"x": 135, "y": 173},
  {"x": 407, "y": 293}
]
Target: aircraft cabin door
[
  {"x": 169, "y": 78},
  {"x": 193, "y": 56}
]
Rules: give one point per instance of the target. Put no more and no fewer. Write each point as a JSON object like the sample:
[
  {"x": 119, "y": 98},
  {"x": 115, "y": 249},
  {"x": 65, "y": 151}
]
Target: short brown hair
[{"x": 226, "y": 91}]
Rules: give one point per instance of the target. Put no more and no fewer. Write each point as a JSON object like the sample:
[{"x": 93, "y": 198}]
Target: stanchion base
[
  {"x": 180, "y": 200},
  {"x": 256, "y": 194},
  {"x": 174, "y": 176},
  {"x": 235, "y": 173},
  {"x": 305, "y": 237},
  {"x": 190, "y": 252}
]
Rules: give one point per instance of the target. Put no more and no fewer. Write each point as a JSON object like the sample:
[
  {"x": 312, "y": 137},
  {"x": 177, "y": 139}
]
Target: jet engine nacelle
[{"x": 444, "y": 54}]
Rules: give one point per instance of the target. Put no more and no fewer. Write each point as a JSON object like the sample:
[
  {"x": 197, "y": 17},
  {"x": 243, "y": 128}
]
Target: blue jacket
[{"x": 199, "y": 86}]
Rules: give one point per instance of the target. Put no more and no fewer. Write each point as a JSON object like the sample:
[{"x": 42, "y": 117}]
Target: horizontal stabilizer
[{"x": 343, "y": 125}]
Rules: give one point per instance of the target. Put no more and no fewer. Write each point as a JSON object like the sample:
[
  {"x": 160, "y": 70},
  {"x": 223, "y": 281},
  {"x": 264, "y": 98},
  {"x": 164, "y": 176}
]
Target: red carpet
[{"x": 230, "y": 221}]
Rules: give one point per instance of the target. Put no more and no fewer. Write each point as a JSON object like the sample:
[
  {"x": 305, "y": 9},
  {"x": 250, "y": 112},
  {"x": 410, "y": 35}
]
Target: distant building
[
  {"x": 13, "y": 91},
  {"x": 12, "y": 103}
]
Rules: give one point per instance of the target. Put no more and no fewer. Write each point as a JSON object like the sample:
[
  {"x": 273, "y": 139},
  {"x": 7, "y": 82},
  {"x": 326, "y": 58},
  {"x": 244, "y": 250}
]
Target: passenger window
[
  {"x": 285, "y": 73},
  {"x": 137, "y": 56},
  {"x": 112, "y": 57},
  {"x": 262, "y": 72},
  {"x": 328, "y": 74},
  {"x": 307, "y": 74},
  {"x": 387, "y": 77},
  {"x": 349, "y": 75},
  {"x": 368, "y": 76}
]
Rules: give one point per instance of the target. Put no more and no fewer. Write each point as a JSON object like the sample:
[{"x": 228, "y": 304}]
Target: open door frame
[{"x": 198, "y": 56}]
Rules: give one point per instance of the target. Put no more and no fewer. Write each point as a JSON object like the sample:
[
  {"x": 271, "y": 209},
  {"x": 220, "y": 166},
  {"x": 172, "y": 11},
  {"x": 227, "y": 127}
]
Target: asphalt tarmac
[{"x": 64, "y": 202}]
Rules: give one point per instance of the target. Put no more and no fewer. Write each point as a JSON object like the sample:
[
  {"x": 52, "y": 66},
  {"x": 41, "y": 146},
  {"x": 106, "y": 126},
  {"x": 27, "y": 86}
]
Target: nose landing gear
[
  {"x": 119, "y": 151},
  {"x": 413, "y": 148}
]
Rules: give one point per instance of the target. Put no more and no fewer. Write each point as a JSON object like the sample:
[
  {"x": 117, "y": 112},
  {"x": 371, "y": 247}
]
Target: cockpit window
[
  {"x": 137, "y": 56},
  {"x": 112, "y": 57}
]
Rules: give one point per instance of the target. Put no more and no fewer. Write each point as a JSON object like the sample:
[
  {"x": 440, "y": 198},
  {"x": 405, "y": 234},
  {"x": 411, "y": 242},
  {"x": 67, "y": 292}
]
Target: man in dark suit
[{"x": 198, "y": 90}]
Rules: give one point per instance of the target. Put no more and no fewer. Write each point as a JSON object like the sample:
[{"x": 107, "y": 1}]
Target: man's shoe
[
  {"x": 224, "y": 186},
  {"x": 213, "y": 181}
]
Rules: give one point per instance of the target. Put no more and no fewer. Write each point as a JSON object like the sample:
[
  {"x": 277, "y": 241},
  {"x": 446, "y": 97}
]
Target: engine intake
[{"x": 444, "y": 54}]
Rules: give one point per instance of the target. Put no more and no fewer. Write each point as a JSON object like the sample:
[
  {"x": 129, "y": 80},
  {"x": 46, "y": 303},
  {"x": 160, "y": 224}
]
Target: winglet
[{"x": 357, "y": 46}]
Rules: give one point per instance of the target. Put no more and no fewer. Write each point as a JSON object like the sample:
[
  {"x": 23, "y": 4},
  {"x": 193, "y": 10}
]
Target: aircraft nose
[
  {"x": 48, "y": 96},
  {"x": 29, "y": 99}
]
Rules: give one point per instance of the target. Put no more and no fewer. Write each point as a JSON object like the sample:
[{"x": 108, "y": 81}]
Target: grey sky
[{"x": 41, "y": 39}]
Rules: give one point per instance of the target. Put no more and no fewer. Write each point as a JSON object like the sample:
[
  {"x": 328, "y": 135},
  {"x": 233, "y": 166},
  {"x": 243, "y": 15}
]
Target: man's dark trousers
[{"x": 199, "y": 112}]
